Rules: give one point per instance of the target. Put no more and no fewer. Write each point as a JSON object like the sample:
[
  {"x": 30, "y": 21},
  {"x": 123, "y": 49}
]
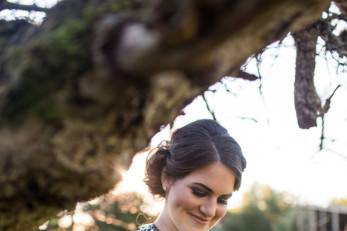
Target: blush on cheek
[
  {"x": 221, "y": 212},
  {"x": 181, "y": 202},
  {"x": 185, "y": 200}
]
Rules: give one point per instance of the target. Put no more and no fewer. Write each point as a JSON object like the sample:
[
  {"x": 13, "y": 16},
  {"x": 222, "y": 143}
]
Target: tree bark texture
[
  {"x": 80, "y": 94},
  {"x": 307, "y": 102}
]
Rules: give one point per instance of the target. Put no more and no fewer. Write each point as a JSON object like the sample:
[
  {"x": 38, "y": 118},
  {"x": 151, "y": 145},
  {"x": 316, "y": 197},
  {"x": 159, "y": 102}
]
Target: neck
[{"x": 164, "y": 222}]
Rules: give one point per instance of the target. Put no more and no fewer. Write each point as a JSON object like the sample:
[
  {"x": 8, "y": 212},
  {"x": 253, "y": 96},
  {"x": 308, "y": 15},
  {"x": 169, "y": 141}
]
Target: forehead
[{"x": 216, "y": 176}]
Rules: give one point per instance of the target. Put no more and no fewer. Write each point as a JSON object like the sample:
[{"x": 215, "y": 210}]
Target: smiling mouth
[{"x": 199, "y": 220}]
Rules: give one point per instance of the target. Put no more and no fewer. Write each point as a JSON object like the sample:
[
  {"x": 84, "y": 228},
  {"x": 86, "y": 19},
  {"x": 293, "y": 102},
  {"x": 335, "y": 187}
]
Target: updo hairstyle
[{"x": 191, "y": 147}]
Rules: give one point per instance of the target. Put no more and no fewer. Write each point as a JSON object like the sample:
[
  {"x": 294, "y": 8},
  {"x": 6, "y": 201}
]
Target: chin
[
  {"x": 194, "y": 226},
  {"x": 190, "y": 228}
]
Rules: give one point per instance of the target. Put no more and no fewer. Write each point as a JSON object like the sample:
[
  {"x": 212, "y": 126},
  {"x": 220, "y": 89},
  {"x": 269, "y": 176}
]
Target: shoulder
[{"x": 147, "y": 227}]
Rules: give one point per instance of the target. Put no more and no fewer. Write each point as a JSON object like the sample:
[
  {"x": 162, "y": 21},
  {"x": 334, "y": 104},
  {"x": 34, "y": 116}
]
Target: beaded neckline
[{"x": 149, "y": 227}]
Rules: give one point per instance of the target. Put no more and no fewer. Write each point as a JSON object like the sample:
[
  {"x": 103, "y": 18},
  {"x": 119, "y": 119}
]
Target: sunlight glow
[
  {"x": 65, "y": 221},
  {"x": 133, "y": 182}
]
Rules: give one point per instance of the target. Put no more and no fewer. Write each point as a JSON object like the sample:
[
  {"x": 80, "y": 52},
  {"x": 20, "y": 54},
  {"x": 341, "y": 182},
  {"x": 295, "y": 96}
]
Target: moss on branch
[{"x": 51, "y": 62}]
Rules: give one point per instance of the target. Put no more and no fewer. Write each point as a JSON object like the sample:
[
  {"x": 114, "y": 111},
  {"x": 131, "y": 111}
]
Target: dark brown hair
[{"x": 193, "y": 146}]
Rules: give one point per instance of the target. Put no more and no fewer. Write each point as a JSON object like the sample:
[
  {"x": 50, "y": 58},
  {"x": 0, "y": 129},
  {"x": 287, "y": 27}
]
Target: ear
[{"x": 166, "y": 181}]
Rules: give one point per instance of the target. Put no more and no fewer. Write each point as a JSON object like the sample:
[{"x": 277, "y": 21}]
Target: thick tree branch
[
  {"x": 307, "y": 101},
  {"x": 197, "y": 51}
]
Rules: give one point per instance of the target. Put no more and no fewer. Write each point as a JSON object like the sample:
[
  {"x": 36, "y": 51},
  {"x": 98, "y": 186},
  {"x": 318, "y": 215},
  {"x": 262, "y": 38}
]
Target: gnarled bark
[{"x": 307, "y": 102}]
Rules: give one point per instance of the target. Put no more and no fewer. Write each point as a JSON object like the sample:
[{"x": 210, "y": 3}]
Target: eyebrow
[{"x": 210, "y": 190}]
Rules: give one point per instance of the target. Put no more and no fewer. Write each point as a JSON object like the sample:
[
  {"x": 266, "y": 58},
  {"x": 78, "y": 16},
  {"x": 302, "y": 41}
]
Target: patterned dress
[{"x": 148, "y": 227}]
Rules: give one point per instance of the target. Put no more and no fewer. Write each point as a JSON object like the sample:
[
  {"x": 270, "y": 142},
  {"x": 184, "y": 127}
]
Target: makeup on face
[
  {"x": 201, "y": 190},
  {"x": 199, "y": 200}
]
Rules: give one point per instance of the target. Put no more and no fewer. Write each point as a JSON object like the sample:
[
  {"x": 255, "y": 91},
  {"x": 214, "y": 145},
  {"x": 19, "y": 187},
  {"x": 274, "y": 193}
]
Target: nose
[{"x": 208, "y": 208}]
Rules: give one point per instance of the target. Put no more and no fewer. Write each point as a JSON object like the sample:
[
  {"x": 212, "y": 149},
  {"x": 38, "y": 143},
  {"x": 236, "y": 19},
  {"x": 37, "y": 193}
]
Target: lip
[{"x": 199, "y": 220}]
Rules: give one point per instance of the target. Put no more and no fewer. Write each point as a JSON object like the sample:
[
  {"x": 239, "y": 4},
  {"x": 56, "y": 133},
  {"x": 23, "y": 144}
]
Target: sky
[
  {"x": 33, "y": 16},
  {"x": 41, "y": 3},
  {"x": 261, "y": 117}
]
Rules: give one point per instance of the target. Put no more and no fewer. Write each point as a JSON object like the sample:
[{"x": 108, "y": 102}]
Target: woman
[{"x": 196, "y": 173}]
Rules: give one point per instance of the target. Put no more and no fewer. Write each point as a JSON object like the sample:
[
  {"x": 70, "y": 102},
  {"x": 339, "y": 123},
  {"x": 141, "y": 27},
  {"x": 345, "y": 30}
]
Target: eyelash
[
  {"x": 223, "y": 201},
  {"x": 201, "y": 193}
]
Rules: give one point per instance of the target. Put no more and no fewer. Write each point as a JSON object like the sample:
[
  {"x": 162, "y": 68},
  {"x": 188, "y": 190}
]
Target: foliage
[
  {"x": 119, "y": 212},
  {"x": 262, "y": 209},
  {"x": 339, "y": 202}
]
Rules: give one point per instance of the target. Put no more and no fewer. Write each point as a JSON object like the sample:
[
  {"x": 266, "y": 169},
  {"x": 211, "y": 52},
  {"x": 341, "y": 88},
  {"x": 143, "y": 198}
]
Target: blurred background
[{"x": 295, "y": 179}]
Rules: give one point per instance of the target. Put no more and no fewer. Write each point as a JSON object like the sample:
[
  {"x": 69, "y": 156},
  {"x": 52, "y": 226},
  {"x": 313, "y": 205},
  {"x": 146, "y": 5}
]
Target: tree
[
  {"x": 262, "y": 209},
  {"x": 88, "y": 87}
]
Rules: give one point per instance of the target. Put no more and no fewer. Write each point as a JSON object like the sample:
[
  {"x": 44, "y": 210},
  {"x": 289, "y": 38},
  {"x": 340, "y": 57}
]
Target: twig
[
  {"x": 278, "y": 50},
  {"x": 334, "y": 16},
  {"x": 337, "y": 153},
  {"x": 322, "y": 136},
  {"x": 243, "y": 75},
  {"x": 325, "y": 109},
  {"x": 326, "y": 105},
  {"x": 259, "y": 61},
  {"x": 208, "y": 107},
  {"x": 248, "y": 118}
]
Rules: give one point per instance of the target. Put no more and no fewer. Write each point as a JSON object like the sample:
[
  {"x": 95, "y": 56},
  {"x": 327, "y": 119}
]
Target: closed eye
[
  {"x": 199, "y": 192},
  {"x": 223, "y": 200}
]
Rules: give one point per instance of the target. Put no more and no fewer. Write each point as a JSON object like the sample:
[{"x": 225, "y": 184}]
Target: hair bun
[
  {"x": 155, "y": 164},
  {"x": 164, "y": 149}
]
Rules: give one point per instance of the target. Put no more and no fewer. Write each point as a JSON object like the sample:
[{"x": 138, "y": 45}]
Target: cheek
[
  {"x": 220, "y": 213},
  {"x": 184, "y": 199}
]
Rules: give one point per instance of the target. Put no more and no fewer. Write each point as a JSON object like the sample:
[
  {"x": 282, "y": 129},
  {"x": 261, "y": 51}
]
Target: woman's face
[{"x": 199, "y": 200}]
